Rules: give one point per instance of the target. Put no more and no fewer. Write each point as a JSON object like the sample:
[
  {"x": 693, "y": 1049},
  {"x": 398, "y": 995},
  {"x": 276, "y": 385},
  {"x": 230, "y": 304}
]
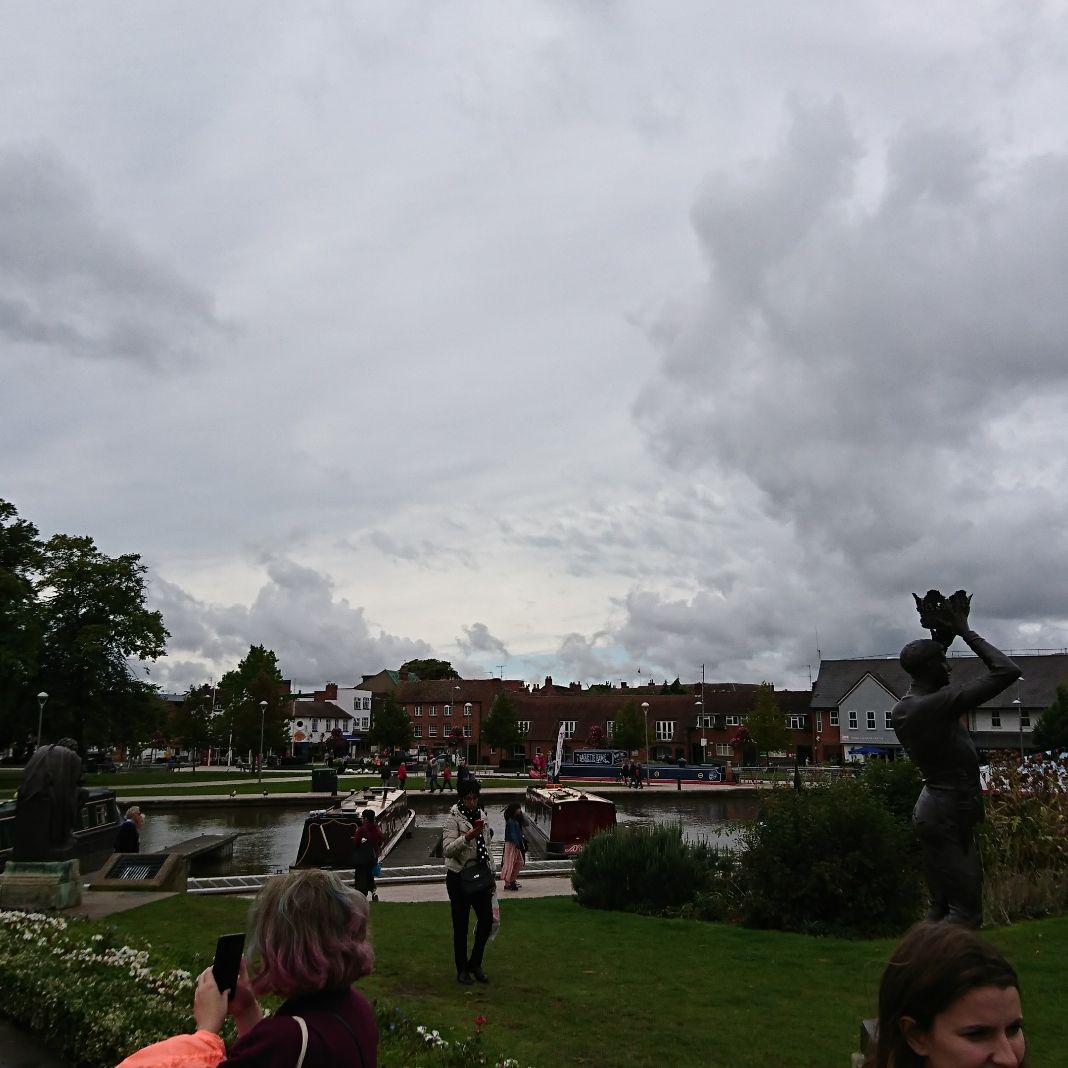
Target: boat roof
[
  {"x": 375, "y": 798},
  {"x": 560, "y": 794}
]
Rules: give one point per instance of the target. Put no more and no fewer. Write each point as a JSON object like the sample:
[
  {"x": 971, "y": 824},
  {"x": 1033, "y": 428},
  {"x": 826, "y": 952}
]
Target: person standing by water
[
  {"x": 431, "y": 773},
  {"x": 463, "y": 843},
  {"x": 636, "y": 775},
  {"x": 384, "y": 771},
  {"x": 462, "y": 776},
  {"x": 367, "y": 844},
  {"x": 446, "y": 777},
  {"x": 128, "y": 838},
  {"x": 515, "y": 845},
  {"x": 402, "y": 774}
]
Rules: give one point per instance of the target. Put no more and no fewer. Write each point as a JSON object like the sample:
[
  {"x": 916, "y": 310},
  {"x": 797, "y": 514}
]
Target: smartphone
[
  {"x": 227, "y": 961},
  {"x": 478, "y": 824}
]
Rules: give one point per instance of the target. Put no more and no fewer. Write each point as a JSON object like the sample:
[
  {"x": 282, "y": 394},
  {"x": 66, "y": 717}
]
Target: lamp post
[
  {"x": 1019, "y": 713},
  {"x": 700, "y": 703},
  {"x": 42, "y": 697},
  {"x": 645, "y": 714},
  {"x": 263, "y": 713}
]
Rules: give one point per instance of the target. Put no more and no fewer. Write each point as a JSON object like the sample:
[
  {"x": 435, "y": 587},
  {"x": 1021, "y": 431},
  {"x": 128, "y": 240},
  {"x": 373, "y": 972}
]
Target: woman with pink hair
[{"x": 307, "y": 942}]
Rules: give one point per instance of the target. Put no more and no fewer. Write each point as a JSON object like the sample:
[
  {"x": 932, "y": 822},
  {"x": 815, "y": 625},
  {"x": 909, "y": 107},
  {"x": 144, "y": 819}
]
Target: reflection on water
[{"x": 269, "y": 836}]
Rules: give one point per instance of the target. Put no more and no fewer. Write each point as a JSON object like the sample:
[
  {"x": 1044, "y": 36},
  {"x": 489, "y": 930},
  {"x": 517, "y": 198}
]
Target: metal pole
[
  {"x": 645, "y": 711},
  {"x": 42, "y": 697},
  {"x": 263, "y": 712}
]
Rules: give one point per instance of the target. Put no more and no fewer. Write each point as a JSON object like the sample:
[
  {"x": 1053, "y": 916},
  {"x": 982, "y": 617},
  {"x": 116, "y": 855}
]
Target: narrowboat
[
  {"x": 94, "y": 835},
  {"x": 560, "y": 821},
  {"x": 326, "y": 841}
]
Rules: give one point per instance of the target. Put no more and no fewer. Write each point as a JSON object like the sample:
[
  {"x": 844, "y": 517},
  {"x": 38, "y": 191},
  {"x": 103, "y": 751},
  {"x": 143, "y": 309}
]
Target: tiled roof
[{"x": 1042, "y": 674}]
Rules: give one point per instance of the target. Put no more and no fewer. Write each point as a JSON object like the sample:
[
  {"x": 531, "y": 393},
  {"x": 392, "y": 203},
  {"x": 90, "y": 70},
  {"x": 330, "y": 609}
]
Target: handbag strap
[{"x": 303, "y": 1039}]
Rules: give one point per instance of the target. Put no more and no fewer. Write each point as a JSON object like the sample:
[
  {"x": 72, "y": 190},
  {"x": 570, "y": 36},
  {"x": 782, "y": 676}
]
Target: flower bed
[{"x": 97, "y": 999}]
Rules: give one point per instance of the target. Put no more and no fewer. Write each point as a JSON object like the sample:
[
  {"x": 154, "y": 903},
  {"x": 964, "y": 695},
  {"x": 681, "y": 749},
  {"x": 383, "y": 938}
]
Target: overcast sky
[{"x": 578, "y": 339}]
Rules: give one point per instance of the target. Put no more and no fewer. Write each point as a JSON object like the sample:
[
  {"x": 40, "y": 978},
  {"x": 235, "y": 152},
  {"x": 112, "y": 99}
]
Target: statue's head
[{"x": 925, "y": 660}]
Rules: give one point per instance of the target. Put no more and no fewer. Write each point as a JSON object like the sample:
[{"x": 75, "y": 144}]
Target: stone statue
[
  {"x": 930, "y": 723},
  {"x": 46, "y": 807}
]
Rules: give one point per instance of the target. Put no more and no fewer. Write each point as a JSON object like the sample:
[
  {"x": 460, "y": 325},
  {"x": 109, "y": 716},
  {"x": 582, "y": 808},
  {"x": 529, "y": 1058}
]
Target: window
[
  {"x": 524, "y": 726},
  {"x": 467, "y": 709},
  {"x": 433, "y": 710},
  {"x": 367, "y": 703},
  {"x": 797, "y": 723},
  {"x": 418, "y": 731},
  {"x": 446, "y": 710},
  {"x": 888, "y": 720},
  {"x": 355, "y": 704},
  {"x": 995, "y": 720},
  {"x": 723, "y": 750},
  {"x": 1025, "y": 719},
  {"x": 467, "y": 730},
  {"x": 706, "y": 721},
  {"x": 537, "y": 751},
  {"x": 610, "y": 729},
  {"x": 519, "y": 752},
  {"x": 869, "y": 718},
  {"x": 665, "y": 730},
  {"x": 852, "y": 721},
  {"x": 819, "y": 722},
  {"x": 418, "y": 711},
  {"x": 834, "y": 717},
  {"x": 433, "y": 731},
  {"x": 315, "y": 725},
  {"x": 569, "y": 728},
  {"x": 733, "y": 721}
]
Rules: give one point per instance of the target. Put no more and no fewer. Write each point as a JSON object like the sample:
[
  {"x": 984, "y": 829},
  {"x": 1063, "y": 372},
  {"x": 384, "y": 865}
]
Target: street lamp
[
  {"x": 41, "y": 698},
  {"x": 700, "y": 703},
  {"x": 645, "y": 713},
  {"x": 263, "y": 712},
  {"x": 1019, "y": 713}
]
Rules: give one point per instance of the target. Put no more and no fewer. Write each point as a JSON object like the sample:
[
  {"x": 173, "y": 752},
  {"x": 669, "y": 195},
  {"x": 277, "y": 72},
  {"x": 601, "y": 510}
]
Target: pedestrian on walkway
[
  {"x": 128, "y": 838},
  {"x": 515, "y": 845},
  {"x": 446, "y": 777},
  {"x": 402, "y": 774},
  {"x": 366, "y": 850},
  {"x": 431, "y": 773}
]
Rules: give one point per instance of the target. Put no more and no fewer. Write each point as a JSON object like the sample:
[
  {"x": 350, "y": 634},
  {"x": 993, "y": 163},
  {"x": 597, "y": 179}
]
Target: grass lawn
[{"x": 581, "y": 987}]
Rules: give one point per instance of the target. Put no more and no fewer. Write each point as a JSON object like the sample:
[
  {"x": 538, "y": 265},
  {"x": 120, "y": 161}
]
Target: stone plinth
[{"x": 40, "y": 884}]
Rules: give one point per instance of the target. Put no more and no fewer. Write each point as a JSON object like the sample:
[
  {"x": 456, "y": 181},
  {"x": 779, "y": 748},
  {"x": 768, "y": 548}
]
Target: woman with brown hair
[{"x": 948, "y": 999}]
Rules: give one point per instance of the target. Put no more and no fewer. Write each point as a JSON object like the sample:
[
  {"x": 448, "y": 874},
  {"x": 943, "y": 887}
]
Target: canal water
[{"x": 269, "y": 836}]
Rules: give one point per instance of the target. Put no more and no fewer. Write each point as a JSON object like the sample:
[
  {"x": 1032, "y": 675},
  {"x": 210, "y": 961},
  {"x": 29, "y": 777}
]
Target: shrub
[
  {"x": 652, "y": 869},
  {"x": 1024, "y": 840},
  {"x": 829, "y": 860},
  {"x": 896, "y": 783}
]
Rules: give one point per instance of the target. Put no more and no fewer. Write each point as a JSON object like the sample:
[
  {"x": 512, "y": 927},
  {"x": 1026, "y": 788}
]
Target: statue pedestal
[{"x": 39, "y": 884}]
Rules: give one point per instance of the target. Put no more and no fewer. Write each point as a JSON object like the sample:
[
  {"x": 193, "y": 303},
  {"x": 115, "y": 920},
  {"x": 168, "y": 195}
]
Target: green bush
[
  {"x": 652, "y": 869},
  {"x": 1024, "y": 840},
  {"x": 830, "y": 860},
  {"x": 896, "y": 783}
]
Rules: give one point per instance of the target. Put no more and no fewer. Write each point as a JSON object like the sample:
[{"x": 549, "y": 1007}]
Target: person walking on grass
[{"x": 515, "y": 845}]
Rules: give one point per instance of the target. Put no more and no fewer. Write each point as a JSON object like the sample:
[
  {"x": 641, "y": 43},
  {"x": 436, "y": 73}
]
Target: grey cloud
[
  {"x": 478, "y": 639},
  {"x": 74, "y": 284},
  {"x": 316, "y": 637}
]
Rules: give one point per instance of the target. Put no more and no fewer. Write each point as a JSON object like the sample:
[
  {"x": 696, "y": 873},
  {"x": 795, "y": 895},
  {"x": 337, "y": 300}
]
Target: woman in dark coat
[{"x": 367, "y": 848}]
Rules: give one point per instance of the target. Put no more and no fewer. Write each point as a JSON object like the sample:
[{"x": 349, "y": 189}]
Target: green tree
[
  {"x": 428, "y": 670},
  {"x": 390, "y": 726},
  {"x": 93, "y": 623},
  {"x": 1051, "y": 731},
  {"x": 500, "y": 729},
  {"x": 256, "y": 678},
  {"x": 21, "y": 556},
  {"x": 629, "y": 730},
  {"x": 766, "y": 723},
  {"x": 190, "y": 723}
]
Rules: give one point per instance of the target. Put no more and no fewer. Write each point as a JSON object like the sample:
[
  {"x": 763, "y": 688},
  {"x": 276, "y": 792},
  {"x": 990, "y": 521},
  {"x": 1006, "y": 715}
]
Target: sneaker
[
  {"x": 465, "y": 978},
  {"x": 374, "y": 897},
  {"x": 480, "y": 975}
]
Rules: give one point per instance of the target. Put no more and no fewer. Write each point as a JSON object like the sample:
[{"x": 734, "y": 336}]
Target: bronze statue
[
  {"x": 930, "y": 724},
  {"x": 46, "y": 807}
]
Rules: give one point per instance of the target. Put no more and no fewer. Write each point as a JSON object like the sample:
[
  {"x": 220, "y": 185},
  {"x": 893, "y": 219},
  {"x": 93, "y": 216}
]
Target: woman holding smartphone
[{"x": 462, "y": 842}]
